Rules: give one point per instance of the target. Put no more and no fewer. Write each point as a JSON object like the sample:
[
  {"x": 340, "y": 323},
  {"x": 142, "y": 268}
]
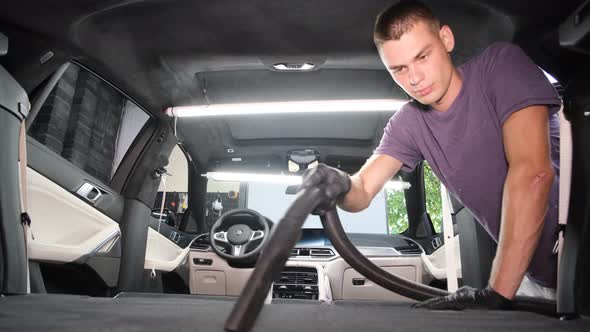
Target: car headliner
[{"x": 183, "y": 52}]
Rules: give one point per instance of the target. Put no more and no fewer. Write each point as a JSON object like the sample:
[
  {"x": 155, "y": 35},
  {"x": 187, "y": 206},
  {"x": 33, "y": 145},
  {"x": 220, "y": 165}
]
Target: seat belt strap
[
  {"x": 163, "y": 173},
  {"x": 449, "y": 241},
  {"x": 25, "y": 219}
]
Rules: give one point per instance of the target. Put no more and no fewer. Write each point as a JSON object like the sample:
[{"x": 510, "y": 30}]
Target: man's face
[{"x": 419, "y": 62}]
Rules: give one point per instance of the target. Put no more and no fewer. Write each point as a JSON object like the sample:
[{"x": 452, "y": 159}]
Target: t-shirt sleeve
[
  {"x": 398, "y": 143},
  {"x": 511, "y": 81}
]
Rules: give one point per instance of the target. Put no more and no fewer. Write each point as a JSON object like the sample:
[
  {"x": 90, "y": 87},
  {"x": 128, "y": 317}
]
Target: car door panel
[
  {"x": 163, "y": 254},
  {"x": 65, "y": 228},
  {"x": 83, "y": 130},
  {"x": 71, "y": 178}
]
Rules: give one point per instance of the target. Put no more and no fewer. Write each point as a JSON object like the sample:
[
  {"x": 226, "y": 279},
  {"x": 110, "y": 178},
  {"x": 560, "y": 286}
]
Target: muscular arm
[
  {"x": 526, "y": 191},
  {"x": 369, "y": 181}
]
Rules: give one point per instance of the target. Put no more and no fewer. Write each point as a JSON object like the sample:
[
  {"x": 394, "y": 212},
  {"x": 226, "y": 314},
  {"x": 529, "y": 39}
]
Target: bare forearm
[
  {"x": 523, "y": 211},
  {"x": 357, "y": 198},
  {"x": 369, "y": 180}
]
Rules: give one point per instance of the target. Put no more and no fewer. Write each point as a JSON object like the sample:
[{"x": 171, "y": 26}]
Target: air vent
[
  {"x": 299, "y": 276},
  {"x": 200, "y": 246},
  {"x": 297, "y": 283},
  {"x": 321, "y": 253},
  {"x": 412, "y": 248},
  {"x": 312, "y": 252},
  {"x": 410, "y": 251},
  {"x": 306, "y": 66},
  {"x": 287, "y": 278}
]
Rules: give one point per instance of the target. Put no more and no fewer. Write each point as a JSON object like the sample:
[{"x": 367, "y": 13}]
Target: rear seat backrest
[
  {"x": 14, "y": 106},
  {"x": 477, "y": 247},
  {"x": 13, "y": 97}
]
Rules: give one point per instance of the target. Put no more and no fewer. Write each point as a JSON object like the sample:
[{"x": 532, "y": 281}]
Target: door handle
[
  {"x": 358, "y": 281},
  {"x": 89, "y": 192}
]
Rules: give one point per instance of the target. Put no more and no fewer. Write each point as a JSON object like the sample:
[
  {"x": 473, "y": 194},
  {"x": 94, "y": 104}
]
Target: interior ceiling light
[
  {"x": 282, "y": 179},
  {"x": 293, "y": 167},
  {"x": 324, "y": 106},
  {"x": 294, "y": 66},
  {"x": 252, "y": 177}
]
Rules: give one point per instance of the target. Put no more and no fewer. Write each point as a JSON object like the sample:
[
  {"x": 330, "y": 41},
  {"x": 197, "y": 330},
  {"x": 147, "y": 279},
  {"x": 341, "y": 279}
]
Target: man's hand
[
  {"x": 334, "y": 183},
  {"x": 467, "y": 297}
]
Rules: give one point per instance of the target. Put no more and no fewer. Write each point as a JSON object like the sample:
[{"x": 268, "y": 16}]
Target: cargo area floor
[{"x": 186, "y": 313}]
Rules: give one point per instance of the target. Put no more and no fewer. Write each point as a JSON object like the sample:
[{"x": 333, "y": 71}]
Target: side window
[
  {"x": 88, "y": 122},
  {"x": 397, "y": 213},
  {"x": 176, "y": 185},
  {"x": 433, "y": 198}
]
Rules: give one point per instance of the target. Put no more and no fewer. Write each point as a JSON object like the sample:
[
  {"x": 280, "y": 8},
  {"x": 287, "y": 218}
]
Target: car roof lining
[
  {"x": 183, "y": 52},
  {"x": 146, "y": 46}
]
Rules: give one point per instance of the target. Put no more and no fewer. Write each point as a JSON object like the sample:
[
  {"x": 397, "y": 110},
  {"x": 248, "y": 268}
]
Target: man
[{"x": 488, "y": 129}]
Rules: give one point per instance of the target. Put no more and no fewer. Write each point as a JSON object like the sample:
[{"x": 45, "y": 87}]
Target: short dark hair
[{"x": 398, "y": 19}]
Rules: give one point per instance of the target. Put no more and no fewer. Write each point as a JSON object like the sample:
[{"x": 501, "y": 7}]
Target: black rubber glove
[
  {"x": 334, "y": 182},
  {"x": 467, "y": 297}
]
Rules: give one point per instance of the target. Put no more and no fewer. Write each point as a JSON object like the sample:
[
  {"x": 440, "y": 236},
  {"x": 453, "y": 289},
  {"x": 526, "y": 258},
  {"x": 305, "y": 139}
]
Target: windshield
[
  {"x": 386, "y": 214},
  {"x": 271, "y": 195}
]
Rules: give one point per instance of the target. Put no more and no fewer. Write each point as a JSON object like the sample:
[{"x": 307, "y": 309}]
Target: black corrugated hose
[{"x": 285, "y": 236}]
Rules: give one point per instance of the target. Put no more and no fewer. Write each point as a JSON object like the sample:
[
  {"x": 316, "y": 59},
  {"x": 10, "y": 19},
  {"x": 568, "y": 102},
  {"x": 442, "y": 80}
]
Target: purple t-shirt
[{"x": 464, "y": 145}]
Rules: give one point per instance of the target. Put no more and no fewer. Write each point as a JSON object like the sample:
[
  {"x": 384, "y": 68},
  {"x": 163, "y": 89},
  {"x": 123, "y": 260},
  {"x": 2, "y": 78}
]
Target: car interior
[{"x": 158, "y": 200}]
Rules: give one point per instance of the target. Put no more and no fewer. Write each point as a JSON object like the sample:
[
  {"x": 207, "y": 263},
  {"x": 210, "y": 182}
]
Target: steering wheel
[{"x": 238, "y": 236}]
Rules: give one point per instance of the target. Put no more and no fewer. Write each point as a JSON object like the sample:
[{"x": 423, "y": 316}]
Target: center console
[
  {"x": 303, "y": 276},
  {"x": 297, "y": 282}
]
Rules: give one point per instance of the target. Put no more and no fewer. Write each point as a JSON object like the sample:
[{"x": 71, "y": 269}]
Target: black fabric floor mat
[{"x": 183, "y": 313}]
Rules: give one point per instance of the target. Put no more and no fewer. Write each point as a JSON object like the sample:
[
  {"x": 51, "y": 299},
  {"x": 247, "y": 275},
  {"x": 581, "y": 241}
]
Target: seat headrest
[
  {"x": 3, "y": 44},
  {"x": 13, "y": 97}
]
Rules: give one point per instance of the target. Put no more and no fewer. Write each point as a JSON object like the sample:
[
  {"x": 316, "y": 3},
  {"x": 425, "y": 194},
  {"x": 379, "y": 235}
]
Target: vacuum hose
[
  {"x": 364, "y": 266},
  {"x": 272, "y": 260},
  {"x": 284, "y": 237}
]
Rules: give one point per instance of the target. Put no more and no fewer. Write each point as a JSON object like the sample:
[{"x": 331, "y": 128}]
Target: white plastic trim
[
  {"x": 565, "y": 179},
  {"x": 565, "y": 170},
  {"x": 162, "y": 254},
  {"x": 64, "y": 227},
  {"x": 451, "y": 261},
  {"x": 435, "y": 263}
]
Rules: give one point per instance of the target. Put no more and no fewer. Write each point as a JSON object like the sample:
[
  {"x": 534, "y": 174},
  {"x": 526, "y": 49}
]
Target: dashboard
[
  {"x": 398, "y": 245},
  {"x": 314, "y": 271}
]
